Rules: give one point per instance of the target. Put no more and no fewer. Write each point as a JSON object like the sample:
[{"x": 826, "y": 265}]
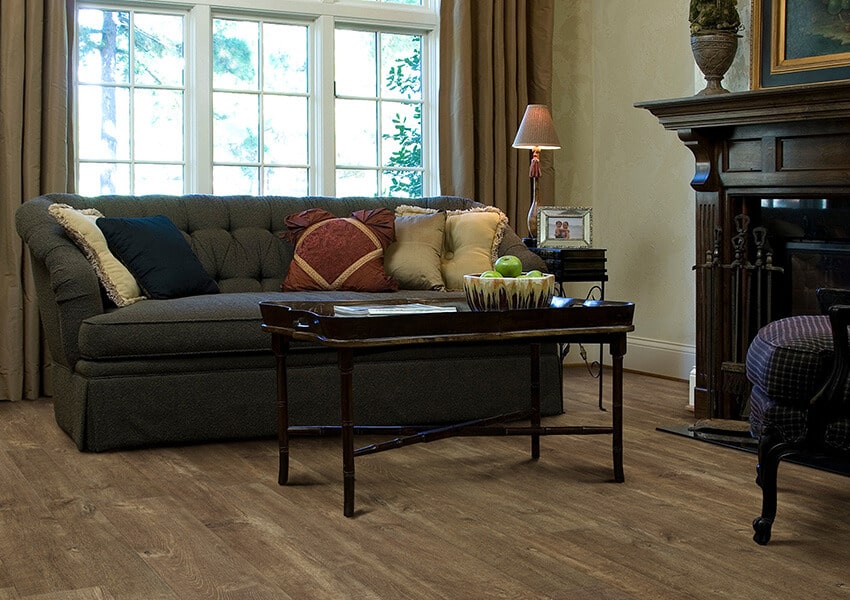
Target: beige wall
[{"x": 634, "y": 174}]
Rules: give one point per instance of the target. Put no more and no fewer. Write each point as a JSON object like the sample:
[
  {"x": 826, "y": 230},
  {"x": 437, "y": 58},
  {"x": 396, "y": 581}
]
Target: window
[
  {"x": 260, "y": 101},
  {"x": 130, "y": 99},
  {"x": 378, "y": 113}
]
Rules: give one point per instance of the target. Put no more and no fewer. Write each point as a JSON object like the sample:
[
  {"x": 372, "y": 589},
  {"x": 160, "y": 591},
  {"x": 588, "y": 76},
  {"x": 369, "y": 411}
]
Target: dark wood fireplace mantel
[{"x": 753, "y": 150}]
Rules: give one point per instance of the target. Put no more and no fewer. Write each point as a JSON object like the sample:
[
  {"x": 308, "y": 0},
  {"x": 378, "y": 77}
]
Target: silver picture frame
[{"x": 564, "y": 227}]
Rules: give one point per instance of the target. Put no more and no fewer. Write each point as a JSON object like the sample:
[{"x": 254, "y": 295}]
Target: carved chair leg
[{"x": 771, "y": 452}]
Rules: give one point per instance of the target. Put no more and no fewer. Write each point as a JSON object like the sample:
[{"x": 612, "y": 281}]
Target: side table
[{"x": 577, "y": 264}]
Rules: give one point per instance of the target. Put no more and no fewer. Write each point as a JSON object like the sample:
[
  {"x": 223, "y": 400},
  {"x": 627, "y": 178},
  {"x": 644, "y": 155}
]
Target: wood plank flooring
[{"x": 461, "y": 518}]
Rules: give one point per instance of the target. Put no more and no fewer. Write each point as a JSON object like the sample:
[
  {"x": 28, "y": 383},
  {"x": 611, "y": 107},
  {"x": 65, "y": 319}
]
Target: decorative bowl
[{"x": 508, "y": 293}]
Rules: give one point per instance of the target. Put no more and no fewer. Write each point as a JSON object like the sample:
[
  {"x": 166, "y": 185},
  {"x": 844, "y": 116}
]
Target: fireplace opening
[
  {"x": 810, "y": 239},
  {"x": 814, "y": 265}
]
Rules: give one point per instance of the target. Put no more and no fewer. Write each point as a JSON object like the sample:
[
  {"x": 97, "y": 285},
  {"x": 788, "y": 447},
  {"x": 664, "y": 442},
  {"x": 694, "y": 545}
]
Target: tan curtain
[
  {"x": 495, "y": 59},
  {"x": 35, "y": 158}
]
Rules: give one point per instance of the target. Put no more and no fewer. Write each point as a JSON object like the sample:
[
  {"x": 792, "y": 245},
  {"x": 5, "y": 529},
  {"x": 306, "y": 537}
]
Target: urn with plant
[{"x": 714, "y": 39}]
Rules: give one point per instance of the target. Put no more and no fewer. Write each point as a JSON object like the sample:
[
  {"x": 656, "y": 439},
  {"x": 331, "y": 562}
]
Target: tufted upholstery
[{"x": 236, "y": 237}]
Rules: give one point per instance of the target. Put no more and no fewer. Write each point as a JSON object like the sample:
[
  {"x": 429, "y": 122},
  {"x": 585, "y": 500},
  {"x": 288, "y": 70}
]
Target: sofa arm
[{"x": 66, "y": 283}]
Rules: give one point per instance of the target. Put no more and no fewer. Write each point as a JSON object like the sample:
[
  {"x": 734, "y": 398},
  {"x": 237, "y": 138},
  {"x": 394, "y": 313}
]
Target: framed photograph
[
  {"x": 797, "y": 42},
  {"x": 563, "y": 227}
]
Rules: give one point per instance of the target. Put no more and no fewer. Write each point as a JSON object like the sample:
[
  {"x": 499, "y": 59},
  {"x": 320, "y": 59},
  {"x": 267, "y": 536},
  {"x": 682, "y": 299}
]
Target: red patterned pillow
[{"x": 333, "y": 253}]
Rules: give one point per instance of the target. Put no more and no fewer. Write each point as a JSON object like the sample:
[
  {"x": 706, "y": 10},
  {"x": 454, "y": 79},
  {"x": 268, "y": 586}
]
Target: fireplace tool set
[{"x": 750, "y": 288}]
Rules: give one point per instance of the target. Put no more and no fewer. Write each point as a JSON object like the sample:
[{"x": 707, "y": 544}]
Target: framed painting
[
  {"x": 798, "y": 42},
  {"x": 563, "y": 227}
]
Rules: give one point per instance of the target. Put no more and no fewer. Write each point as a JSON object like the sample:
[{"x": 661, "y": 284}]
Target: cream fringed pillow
[
  {"x": 119, "y": 283},
  {"x": 414, "y": 258},
  {"x": 471, "y": 241}
]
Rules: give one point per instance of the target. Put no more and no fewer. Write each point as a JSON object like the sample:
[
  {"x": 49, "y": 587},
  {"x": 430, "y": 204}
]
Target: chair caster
[{"x": 762, "y": 528}]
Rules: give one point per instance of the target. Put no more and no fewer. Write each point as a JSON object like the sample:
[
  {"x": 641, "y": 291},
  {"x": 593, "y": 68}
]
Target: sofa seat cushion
[{"x": 208, "y": 324}]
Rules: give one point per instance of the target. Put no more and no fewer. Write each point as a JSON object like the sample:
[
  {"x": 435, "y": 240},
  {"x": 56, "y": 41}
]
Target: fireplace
[{"x": 772, "y": 183}]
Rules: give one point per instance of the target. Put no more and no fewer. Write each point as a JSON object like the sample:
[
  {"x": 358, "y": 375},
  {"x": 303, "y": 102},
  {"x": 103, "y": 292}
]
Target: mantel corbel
[{"x": 706, "y": 177}]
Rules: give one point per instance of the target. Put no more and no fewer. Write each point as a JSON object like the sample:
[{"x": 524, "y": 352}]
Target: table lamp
[{"x": 536, "y": 133}]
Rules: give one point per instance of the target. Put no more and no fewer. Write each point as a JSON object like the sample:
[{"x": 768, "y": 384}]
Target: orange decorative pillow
[{"x": 333, "y": 253}]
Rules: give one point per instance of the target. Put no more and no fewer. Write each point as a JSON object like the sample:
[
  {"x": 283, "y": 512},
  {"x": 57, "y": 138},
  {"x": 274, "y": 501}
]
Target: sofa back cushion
[{"x": 237, "y": 238}]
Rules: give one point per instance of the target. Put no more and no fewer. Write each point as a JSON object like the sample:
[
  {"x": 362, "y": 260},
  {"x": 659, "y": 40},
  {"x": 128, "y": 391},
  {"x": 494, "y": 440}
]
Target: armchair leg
[{"x": 771, "y": 452}]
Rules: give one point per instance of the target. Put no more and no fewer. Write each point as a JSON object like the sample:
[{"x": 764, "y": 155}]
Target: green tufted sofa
[{"x": 200, "y": 368}]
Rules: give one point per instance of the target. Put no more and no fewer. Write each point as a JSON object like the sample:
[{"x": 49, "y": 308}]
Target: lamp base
[{"x": 532, "y": 210}]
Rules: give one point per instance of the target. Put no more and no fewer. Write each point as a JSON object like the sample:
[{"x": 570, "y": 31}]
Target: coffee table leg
[
  {"x": 618, "y": 349},
  {"x": 280, "y": 346},
  {"x": 535, "y": 398},
  {"x": 346, "y": 391}
]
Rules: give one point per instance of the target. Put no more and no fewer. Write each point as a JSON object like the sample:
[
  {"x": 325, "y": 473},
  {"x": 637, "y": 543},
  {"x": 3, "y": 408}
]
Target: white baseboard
[
  {"x": 656, "y": 357},
  {"x": 660, "y": 358}
]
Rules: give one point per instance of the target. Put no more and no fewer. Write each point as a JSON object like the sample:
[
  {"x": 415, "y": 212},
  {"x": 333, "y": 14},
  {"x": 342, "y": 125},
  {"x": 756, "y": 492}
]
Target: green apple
[
  {"x": 534, "y": 273},
  {"x": 508, "y": 265},
  {"x": 490, "y": 274}
]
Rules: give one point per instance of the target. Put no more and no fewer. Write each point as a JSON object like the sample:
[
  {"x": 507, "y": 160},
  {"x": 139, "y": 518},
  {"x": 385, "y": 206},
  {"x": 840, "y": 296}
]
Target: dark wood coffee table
[{"x": 567, "y": 320}]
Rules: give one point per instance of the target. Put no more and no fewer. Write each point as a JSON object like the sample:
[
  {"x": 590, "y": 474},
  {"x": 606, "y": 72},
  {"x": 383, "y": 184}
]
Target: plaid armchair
[{"x": 800, "y": 398}]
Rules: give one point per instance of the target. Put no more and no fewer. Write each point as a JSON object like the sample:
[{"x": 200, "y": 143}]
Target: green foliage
[
  {"x": 232, "y": 55},
  {"x": 406, "y": 78},
  {"x": 714, "y": 15}
]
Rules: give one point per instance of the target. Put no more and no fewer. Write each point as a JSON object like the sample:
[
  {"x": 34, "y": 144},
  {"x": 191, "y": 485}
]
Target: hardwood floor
[{"x": 458, "y": 518}]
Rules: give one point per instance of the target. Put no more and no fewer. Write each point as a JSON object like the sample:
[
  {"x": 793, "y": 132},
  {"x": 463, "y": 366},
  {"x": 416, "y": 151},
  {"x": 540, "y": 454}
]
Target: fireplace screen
[{"x": 814, "y": 265}]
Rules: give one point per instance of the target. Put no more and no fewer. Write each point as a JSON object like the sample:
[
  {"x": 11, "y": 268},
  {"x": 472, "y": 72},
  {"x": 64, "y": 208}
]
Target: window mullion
[
  {"x": 430, "y": 112},
  {"x": 322, "y": 122},
  {"x": 199, "y": 142}
]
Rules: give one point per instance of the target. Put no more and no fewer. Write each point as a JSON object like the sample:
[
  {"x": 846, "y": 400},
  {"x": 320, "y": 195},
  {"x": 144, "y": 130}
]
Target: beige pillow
[
  {"x": 119, "y": 283},
  {"x": 414, "y": 258},
  {"x": 471, "y": 241}
]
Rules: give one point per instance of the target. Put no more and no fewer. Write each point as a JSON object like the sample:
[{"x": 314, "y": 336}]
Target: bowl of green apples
[{"x": 508, "y": 287}]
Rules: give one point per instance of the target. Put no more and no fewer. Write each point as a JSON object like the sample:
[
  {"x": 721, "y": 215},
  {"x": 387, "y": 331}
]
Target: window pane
[
  {"x": 104, "y": 123},
  {"x": 354, "y": 70},
  {"x": 235, "y": 52},
  {"x": 158, "y": 41},
  {"x": 104, "y": 43},
  {"x": 235, "y": 127},
  {"x": 103, "y": 178},
  {"x": 285, "y": 182},
  {"x": 356, "y": 182},
  {"x": 158, "y": 179},
  {"x": 285, "y": 132},
  {"x": 235, "y": 180},
  {"x": 401, "y": 132},
  {"x": 404, "y": 184},
  {"x": 356, "y": 139},
  {"x": 401, "y": 73},
  {"x": 158, "y": 118},
  {"x": 285, "y": 58}
]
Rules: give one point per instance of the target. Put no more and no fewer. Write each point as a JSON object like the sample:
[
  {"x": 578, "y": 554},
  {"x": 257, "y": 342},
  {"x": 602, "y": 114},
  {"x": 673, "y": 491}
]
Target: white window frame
[{"x": 322, "y": 18}]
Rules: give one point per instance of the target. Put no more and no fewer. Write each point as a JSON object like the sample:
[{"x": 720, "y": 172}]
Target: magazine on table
[{"x": 378, "y": 310}]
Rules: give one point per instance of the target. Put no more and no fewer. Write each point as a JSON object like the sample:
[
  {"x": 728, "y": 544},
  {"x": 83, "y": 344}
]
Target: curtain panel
[
  {"x": 495, "y": 59},
  {"x": 35, "y": 158}
]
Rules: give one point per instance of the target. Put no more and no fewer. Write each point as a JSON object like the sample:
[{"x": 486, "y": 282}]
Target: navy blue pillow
[{"x": 158, "y": 256}]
